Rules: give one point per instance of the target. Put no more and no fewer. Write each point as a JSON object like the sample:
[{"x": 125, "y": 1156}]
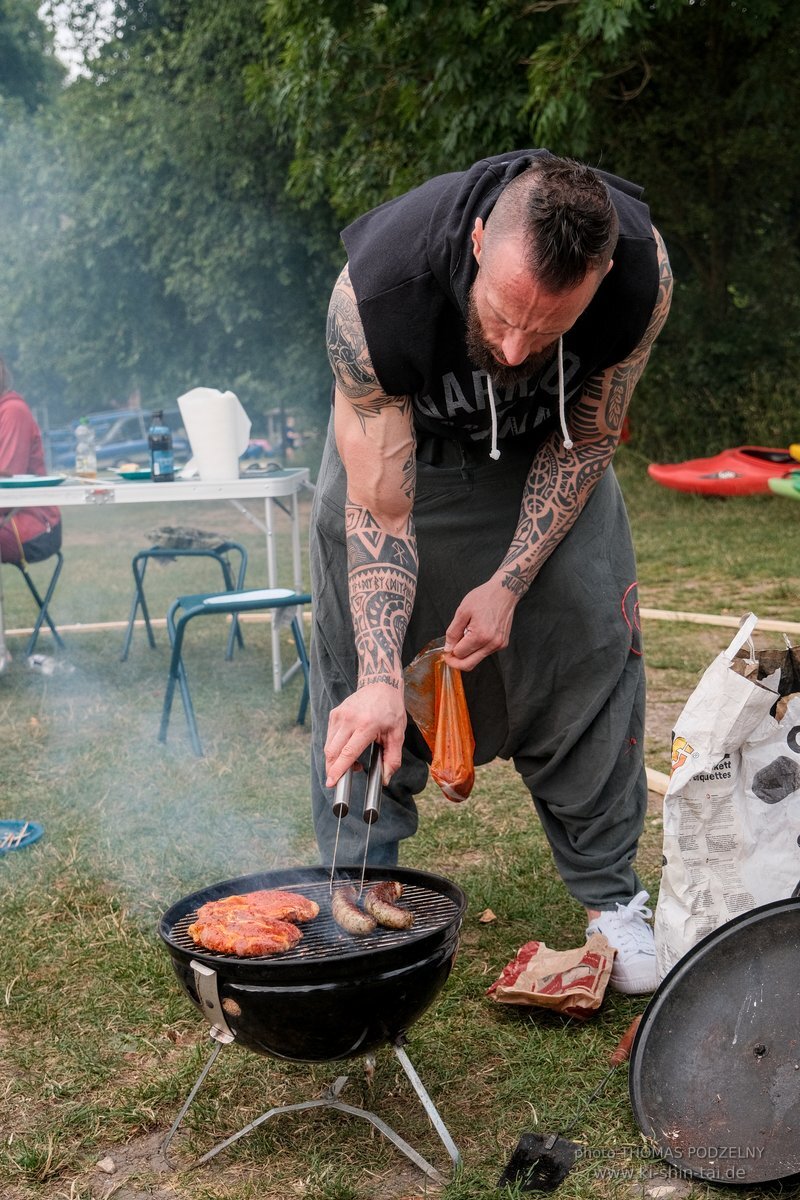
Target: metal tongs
[{"x": 372, "y": 805}]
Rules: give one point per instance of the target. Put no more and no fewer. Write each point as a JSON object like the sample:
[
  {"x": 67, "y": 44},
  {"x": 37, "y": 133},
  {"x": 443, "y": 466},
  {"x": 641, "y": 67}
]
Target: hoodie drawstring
[
  {"x": 562, "y": 414},
  {"x": 494, "y": 453}
]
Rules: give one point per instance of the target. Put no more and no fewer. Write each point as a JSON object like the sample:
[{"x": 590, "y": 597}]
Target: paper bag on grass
[
  {"x": 732, "y": 807},
  {"x": 569, "y": 981}
]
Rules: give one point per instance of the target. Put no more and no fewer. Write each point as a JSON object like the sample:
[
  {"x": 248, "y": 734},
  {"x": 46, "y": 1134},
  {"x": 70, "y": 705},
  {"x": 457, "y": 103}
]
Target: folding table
[{"x": 278, "y": 489}]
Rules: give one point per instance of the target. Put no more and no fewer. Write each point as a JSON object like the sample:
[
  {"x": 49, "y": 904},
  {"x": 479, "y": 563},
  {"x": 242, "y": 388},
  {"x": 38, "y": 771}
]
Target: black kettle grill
[{"x": 333, "y": 996}]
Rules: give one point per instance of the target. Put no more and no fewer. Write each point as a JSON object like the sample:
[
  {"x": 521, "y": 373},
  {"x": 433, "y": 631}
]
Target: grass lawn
[{"x": 99, "y": 1047}]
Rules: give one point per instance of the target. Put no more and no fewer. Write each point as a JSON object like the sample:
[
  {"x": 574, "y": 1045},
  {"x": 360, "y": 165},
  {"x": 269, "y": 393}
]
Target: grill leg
[
  {"x": 189, "y": 1099},
  {"x": 427, "y": 1103},
  {"x": 331, "y": 1100}
]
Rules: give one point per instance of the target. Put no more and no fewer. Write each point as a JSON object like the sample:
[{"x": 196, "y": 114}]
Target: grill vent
[{"x": 324, "y": 939}]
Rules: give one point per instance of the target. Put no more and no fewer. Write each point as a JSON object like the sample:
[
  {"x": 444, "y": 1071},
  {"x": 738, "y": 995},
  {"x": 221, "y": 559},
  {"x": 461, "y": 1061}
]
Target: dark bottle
[{"x": 159, "y": 439}]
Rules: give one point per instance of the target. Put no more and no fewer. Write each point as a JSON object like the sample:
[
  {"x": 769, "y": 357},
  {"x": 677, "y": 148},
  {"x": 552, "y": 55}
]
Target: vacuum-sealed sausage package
[{"x": 435, "y": 700}]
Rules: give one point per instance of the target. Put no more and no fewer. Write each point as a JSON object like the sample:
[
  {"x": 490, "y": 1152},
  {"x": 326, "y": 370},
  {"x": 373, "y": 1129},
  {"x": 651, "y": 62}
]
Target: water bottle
[
  {"x": 85, "y": 453},
  {"x": 159, "y": 439}
]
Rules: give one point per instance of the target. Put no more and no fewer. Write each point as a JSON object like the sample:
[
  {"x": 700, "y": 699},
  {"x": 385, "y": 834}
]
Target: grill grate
[{"x": 324, "y": 939}]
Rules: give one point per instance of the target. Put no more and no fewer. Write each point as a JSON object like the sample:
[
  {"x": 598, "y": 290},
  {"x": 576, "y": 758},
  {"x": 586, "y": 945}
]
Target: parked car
[
  {"x": 120, "y": 437},
  {"x": 258, "y": 457}
]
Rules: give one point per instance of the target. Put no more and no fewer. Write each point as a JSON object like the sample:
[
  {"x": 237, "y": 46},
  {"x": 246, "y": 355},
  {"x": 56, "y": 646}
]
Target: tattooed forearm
[
  {"x": 560, "y": 483},
  {"x": 382, "y": 577},
  {"x": 375, "y": 437},
  {"x": 551, "y": 501}
]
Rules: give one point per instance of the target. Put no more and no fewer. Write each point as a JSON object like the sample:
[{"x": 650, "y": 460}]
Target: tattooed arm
[
  {"x": 375, "y": 438},
  {"x": 558, "y": 486}
]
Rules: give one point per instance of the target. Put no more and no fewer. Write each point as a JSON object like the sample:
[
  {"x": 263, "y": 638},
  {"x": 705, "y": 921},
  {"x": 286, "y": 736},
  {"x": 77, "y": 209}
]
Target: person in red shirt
[{"x": 27, "y": 535}]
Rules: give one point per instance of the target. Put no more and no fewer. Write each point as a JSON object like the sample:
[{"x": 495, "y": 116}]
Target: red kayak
[{"x": 743, "y": 471}]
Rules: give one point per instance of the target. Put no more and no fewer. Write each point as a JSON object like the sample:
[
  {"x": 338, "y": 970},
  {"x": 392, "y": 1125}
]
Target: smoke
[{"x": 153, "y": 822}]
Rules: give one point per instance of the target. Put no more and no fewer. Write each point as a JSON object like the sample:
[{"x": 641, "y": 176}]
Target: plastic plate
[
  {"x": 23, "y": 481},
  {"x": 256, "y": 596},
  {"x": 12, "y": 829},
  {"x": 140, "y": 473}
]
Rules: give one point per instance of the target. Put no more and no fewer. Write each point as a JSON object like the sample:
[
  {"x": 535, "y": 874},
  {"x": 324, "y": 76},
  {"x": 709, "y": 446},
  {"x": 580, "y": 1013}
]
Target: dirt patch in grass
[
  {"x": 141, "y": 1172},
  {"x": 123, "y": 1171}
]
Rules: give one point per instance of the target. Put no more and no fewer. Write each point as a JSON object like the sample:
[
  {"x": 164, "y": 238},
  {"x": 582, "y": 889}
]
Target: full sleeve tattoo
[
  {"x": 376, "y": 440},
  {"x": 560, "y": 481}
]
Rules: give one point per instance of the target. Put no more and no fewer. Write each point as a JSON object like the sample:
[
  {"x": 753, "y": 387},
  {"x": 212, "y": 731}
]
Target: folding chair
[
  {"x": 219, "y": 552},
  {"x": 43, "y": 603},
  {"x": 233, "y": 603}
]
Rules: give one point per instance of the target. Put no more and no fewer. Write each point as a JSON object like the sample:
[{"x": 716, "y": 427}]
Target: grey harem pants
[{"x": 564, "y": 700}]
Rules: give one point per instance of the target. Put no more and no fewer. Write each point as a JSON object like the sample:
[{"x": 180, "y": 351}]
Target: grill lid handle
[{"x": 205, "y": 981}]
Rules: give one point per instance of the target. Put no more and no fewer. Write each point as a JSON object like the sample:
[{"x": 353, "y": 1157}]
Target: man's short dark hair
[{"x": 564, "y": 214}]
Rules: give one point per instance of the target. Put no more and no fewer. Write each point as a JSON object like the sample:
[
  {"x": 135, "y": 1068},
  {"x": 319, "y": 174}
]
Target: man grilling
[{"x": 486, "y": 336}]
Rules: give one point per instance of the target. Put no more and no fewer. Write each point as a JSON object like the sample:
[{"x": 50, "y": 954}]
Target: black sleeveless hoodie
[{"x": 411, "y": 266}]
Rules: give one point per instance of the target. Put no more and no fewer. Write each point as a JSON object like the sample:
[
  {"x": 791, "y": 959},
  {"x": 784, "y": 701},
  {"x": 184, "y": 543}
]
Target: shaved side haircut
[{"x": 562, "y": 212}]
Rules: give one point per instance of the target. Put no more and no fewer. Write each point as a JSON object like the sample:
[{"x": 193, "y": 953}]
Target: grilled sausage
[
  {"x": 378, "y": 902},
  {"x": 347, "y": 914}
]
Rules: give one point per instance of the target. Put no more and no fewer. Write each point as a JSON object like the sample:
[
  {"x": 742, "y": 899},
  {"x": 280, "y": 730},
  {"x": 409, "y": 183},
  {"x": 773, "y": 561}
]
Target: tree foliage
[
  {"x": 692, "y": 100},
  {"x": 374, "y": 97},
  {"x": 29, "y": 72},
  {"x": 172, "y": 217},
  {"x": 688, "y": 97},
  {"x": 170, "y": 235}
]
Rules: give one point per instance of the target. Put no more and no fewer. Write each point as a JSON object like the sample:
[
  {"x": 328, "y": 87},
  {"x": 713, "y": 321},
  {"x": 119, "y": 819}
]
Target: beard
[{"x": 483, "y": 356}]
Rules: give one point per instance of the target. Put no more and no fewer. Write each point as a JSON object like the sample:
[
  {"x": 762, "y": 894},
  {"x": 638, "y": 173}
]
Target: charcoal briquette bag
[{"x": 732, "y": 807}]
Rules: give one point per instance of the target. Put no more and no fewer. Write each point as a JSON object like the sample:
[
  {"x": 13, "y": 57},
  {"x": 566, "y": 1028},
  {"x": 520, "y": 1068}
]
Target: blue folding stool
[
  {"x": 233, "y": 603},
  {"x": 42, "y": 602},
  {"x": 219, "y": 552}
]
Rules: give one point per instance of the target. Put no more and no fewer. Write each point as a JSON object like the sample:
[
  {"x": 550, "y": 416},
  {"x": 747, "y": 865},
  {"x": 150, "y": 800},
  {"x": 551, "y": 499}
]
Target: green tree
[
  {"x": 689, "y": 97},
  {"x": 693, "y": 100},
  {"x": 172, "y": 254},
  {"x": 29, "y": 70},
  {"x": 372, "y": 98},
  {"x": 173, "y": 218}
]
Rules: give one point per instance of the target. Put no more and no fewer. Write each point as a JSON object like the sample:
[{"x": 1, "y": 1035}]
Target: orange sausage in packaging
[{"x": 435, "y": 699}]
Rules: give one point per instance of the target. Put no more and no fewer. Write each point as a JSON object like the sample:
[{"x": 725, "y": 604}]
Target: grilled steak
[
  {"x": 247, "y": 938},
  {"x": 252, "y": 925},
  {"x": 271, "y": 904}
]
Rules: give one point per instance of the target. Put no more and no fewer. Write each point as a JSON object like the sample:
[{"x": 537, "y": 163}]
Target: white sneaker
[{"x": 634, "y": 970}]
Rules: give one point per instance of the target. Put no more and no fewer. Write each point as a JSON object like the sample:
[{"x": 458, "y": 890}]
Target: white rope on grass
[
  {"x": 155, "y": 622},
  {"x": 769, "y": 624},
  {"x": 764, "y": 623}
]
